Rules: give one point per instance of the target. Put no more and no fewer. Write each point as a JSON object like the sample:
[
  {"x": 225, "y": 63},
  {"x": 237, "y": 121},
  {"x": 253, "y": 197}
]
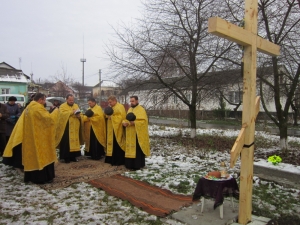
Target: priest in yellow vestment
[
  {"x": 68, "y": 131},
  {"x": 137, "y": 136},
  {"x": 35, "y": 131},
  {"x": 116, "y": 143},
  {"x": 94, "y": 131}
]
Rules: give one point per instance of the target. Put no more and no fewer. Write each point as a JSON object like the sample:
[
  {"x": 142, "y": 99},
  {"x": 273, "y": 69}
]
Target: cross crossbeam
[{"x": 232, "y": 32}]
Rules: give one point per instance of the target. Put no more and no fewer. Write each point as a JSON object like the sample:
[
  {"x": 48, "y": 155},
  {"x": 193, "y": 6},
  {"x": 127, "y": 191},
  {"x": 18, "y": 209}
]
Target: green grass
[
  {"x": 183, "y": 187},
  {"x": 294, "y": 144},
  {"x": 261, "y": 142}
]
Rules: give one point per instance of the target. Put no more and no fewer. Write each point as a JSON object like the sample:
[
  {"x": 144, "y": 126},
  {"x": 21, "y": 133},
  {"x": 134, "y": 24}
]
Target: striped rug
[{"x": 152, "y": 199}]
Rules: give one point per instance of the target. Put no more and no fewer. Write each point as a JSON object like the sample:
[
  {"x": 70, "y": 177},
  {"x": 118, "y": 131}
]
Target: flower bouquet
[{"x": 274, "y": 159}]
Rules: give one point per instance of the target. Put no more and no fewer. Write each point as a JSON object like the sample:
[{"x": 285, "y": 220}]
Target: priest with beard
[
  {"x": 137, "y": 136},
  {"x": 115, "y": 154},
  {"x": 69, "y": 130},
  {"x": 35, "y": 133},
  {"x": 94, "y": 131}
]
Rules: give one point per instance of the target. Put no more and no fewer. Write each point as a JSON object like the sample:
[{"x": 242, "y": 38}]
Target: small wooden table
[{"x": 216, "y": 189}]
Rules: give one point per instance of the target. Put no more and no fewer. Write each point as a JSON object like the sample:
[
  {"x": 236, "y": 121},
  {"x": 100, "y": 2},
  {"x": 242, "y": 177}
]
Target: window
[
  {"x": 175, "y": 99},
  {"x": 297, "y": 99},
  {"x": 5, "y": 90},
  {"x": 20, "y": 99},
  {"x": 154, "y": 99},
  {"x": 188, "y": 96},
  {"x": 165, "y": 98},
  {"x": 235, "y": 96}
]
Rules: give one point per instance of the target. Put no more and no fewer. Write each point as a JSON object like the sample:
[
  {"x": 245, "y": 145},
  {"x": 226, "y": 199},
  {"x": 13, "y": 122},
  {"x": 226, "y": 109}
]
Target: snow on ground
[{"x": 171, "y": 167}]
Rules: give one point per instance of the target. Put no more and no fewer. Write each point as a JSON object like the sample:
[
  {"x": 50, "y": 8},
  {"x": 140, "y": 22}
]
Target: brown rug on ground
[
  {"x": 82, "y": 171},
  {"x": 154, "y": 200}
]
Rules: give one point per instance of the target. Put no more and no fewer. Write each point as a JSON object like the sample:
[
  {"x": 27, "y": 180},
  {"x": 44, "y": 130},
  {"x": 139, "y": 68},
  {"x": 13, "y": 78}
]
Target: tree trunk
[
  {"x": 283, "y": 137},
  {"x": 193, "y": 120}
]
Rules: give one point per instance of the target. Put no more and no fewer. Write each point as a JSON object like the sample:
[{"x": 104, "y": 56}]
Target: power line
[{"x": 91, "y": 75}]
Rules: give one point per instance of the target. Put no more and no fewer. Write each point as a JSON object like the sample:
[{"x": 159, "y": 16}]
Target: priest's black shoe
[{"x": 74, "y": 160}]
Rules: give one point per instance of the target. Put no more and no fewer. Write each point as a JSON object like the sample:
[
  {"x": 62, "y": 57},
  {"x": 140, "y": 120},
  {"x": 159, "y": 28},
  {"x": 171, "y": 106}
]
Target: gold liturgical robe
[
  {"x": 97, "y": 121},
  {"x": 35, "y": 130},
  {"x": 66, "y": 114},
  {"x": 114, "y": 124},
  {"x": 141, "y": 130}
]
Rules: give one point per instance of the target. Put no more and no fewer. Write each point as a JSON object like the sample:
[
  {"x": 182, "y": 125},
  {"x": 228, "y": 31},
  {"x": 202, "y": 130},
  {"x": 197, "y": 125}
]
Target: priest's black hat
[
  {"x": 89, "y": 113},
  {"x": 108, "y": 111},
  {"x": 130, "y": 116}
]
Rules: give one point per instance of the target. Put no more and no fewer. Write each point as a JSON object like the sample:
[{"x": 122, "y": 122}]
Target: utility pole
[
  {"x": 83, "y": 60},
  {"x": 20, "y": 60},
  {"x": 100, "y": 87}
]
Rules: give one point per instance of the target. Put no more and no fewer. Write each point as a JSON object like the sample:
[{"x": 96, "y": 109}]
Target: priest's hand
[{"x": 125, "y": 124}]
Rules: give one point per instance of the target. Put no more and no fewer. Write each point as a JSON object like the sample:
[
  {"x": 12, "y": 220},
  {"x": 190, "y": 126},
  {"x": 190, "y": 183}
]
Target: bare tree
[
  {"x": 83, "y": 91},
  {"x": 280, "y": 23},
  {"x": 172, "y": 41},
  {"x": 60, "y": 89},
  {"x": 62, "y": 75},
  {"x": 62, "y": 82}
]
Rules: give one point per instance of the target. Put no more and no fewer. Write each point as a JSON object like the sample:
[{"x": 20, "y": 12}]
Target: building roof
[
  {"x": 215, "y": 78},
  {"x": 107, "y": 83},
  {"x": 11, "y": 74}
]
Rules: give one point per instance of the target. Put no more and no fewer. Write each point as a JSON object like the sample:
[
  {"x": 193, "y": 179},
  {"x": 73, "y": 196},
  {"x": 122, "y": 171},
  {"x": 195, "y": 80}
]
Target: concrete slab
[
  {"x": 192, "y": 215},
  {"x": 256, "y": 220},
  {"x": 260, "y": 218},
  {"x": 284, "y": 178}
]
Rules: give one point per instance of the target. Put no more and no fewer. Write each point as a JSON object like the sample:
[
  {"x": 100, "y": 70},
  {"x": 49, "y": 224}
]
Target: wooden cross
[{"x": 244, "y": 144}]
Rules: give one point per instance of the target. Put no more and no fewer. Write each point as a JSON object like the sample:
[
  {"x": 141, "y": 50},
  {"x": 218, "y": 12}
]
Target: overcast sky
[{"x": 49, "y": 34}]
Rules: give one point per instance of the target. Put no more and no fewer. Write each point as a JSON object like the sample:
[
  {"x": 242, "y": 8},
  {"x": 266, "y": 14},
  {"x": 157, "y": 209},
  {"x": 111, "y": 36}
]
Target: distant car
[
  {"x": 48, "y": 105},
  {"x": 52, "y": 99},
  {"x": 20, "y": 98},
  {"x": 83, "y": 107}
]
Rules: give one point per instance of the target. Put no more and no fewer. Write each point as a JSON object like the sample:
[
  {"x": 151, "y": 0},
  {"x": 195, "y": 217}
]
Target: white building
[{"x": 154, "y": 96}]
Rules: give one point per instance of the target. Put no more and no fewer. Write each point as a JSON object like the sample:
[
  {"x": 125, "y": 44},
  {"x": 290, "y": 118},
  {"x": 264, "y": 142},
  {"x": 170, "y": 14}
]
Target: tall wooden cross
[{"x": 244, "y": 144}]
